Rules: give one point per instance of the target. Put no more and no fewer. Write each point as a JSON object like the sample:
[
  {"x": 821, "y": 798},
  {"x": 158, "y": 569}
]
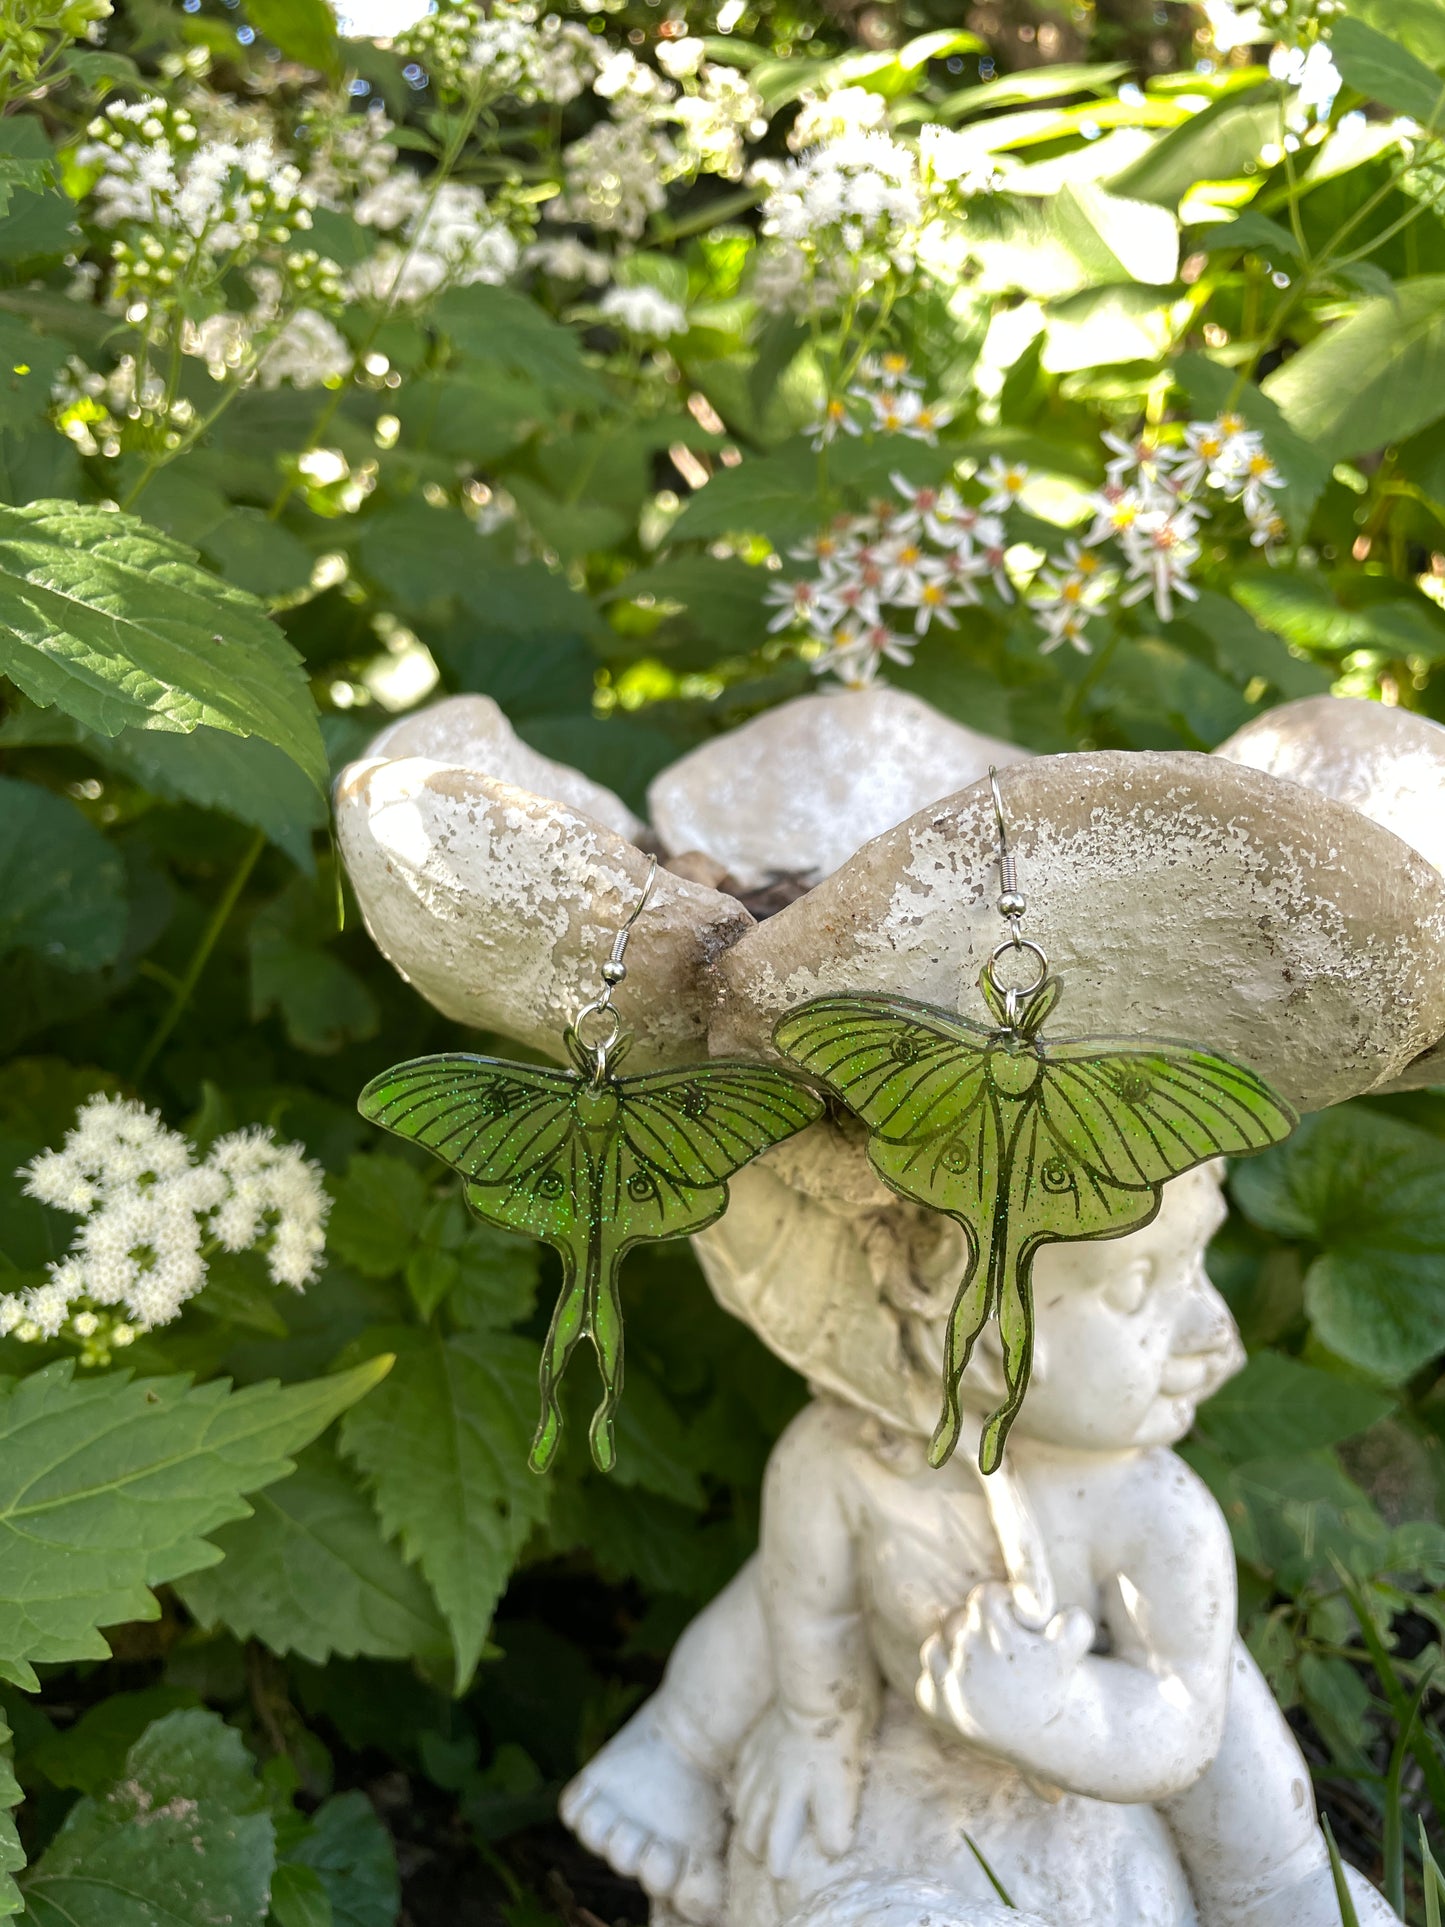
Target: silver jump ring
[
  {"x": 599, "y": 1009},
  {"x": 1016, "y": 942}
]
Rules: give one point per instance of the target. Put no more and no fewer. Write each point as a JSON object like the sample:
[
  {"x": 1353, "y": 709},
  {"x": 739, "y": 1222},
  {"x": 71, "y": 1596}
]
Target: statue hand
[
  {"x": 997, "y": 1681},
  {"x": 794, "y": 1771}
]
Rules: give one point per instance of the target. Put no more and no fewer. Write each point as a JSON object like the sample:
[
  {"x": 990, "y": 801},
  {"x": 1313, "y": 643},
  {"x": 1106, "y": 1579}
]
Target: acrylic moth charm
[
  {"x": 592, "y": 1163},
  {"x": 1023, "y": 1140}
]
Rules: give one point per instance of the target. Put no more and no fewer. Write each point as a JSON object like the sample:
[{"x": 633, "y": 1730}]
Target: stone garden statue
[{"x": 930, "y": 1685}]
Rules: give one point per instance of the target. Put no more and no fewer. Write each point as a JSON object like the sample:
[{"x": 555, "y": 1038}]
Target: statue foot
[{"x": 644, "y": 1807}]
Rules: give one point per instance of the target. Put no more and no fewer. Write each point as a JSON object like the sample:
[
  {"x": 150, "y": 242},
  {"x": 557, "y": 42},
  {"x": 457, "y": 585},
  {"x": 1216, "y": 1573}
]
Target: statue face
[{"x": 1131, "y": 1333}]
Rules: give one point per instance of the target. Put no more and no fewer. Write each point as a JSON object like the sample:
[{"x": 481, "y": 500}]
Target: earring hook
[
  {"x": 1012, "y": 904},
  {"x": 613, "y": 972}
]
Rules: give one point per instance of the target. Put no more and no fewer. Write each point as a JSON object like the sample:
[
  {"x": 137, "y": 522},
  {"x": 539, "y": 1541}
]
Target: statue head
[{"x": 1131, "y": 1335}]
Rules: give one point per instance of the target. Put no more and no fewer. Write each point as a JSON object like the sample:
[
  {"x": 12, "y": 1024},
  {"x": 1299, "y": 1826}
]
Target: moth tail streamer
[
  {"x": 965, "y": 1321},
  {"x": 1016, "y": 1329},
  {"x": 569, "y": 1323},
  {"x": 606, "y": 1329}
]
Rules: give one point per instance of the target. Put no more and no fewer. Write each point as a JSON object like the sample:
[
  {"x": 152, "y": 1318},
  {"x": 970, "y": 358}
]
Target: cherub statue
[{"x": 924, "y": 1676}]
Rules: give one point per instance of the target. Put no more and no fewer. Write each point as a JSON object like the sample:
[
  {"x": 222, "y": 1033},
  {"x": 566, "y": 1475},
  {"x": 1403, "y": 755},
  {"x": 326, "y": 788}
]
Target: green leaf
[
  {"x": 310, "y": 1573},
  {"x": 723, "y": 599},
  {"x": 1105, "y": 326},
  {"x": 29, "y": 363},
  {"x": 417, "y": 554},
  {"x": 109, "y": 1486},
  {"x": 12, "y": 1854},
  {"x": 1302, "y": 609},
  {"x": 1218, "y": 144},
  {"x": 1375, "y": 64},
  {"x": 243, "y": 777},
  {"x": 304, "y": 29},
  {"x": 446, "y": 1455},
  {"x": 62, "y": 886},
  {"x": 774, "y": 495},
  {"x": 1369, "y": 1190},
  {"x": 119, "y": 626},
  {"x": 1373, "y": 378},
  {"x": 184, "y": 1837},
  {"x": 1248, "y": 651},
  {"x": 258, "y": 555},
  {"x": 378, "y": 1211},
  {"x": 501, "y": 326},
  {"x": 1277, "y": 1405},
  {"x": 322, "y": 1002},
  {"x": 1084, "y": 237},
  {"x": 350, "y": 1851},
  {"x": 1418, "y": 25},
  {"x": 1049, "y": 82},
  {"x": 90, "y": 1756},
  {"x": 299, "y": 1898},
  {"x": 1212, "y": 389}
]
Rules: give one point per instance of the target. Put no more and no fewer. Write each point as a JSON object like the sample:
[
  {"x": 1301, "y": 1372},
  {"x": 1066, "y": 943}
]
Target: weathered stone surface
[
  {"x": 500, "y": 906},
  {"x": 795, "y": 791},
  {"x": 1178, "y": 896},
  {"x": 471, "y": 732},
  {"x": 1388, "y": 763}
]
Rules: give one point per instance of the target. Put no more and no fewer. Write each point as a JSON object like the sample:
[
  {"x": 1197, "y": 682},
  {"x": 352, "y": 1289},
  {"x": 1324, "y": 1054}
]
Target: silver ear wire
[
  {"x": 613, "y": 972},
  {"x": 1012, "y": 905}
]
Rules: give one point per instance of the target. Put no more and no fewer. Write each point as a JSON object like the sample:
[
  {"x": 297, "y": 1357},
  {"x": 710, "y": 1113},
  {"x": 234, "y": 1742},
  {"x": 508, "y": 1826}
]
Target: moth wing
[
  {"x": 698, "y": 1125},
  {"x": 488, "y": 1119},
  {"x": 918, "y": 1080},
  {"x": 1135, "y": 1115}
]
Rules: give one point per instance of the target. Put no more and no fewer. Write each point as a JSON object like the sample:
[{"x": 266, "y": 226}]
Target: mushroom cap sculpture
[{"x": 1178, "y": 895}]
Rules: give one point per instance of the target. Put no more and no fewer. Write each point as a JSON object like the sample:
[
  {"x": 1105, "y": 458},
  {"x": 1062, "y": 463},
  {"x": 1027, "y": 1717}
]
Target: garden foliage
[{"x": 638, "y": 366}]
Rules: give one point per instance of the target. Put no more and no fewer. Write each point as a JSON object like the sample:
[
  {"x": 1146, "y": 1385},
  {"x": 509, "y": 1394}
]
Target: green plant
[{"x": 339, "y": 374}]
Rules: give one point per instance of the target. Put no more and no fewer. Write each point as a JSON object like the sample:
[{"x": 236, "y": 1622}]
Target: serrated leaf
[
  {"x": 109, "y": 1486},
  {"x": 304, "y": 29},
  {"x": 1247, "y": 650},
  {"x": 1369, "y": 1192},
  {"x": 774, "y": 495},
  {"x": 378, "y": 1211},
  {"x": 12, "y": 1854},
  {"x": 1373, "y": 378},
  {"x": 446, "y": 1457},
  {"x": 310, "y": 1573},
  {"x": 119, "y": 626},
  {"x": 62, "y": 886},
  {"x": 502, "y": 326},
  {"x": 1277, "y": 1405},
  {"x": 1375, "y": 64},
  {"x": 184, "y": 1837},
  {"x": 244, "y": 777},
  {"x": 1302, "y": 609},
  {"x": 351, "y": 1853}
]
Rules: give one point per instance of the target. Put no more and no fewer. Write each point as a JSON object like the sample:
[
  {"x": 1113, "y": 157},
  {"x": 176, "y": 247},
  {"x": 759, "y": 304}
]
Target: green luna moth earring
[
  {"x": 1024, "y": 1140},
  {"x": 590, "y": 1162}
]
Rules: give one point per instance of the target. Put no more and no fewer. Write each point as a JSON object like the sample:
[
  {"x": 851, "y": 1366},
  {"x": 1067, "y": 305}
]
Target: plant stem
[{"x": 200, "y": 956}]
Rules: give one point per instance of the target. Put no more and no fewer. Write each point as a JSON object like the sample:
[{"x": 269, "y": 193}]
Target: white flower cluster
[
  {"x": 715, "y": 117},
  {"x": 1149, "y": 510},
  {"x": 447, "y": 239},
  {"x": 151, "y": 1216},
  {"x": 502, "y": 50},
  {"x": 190, "y": 207},
  {"x": 643, "y": 311},
  {"x": 129, "y": 406},
  {"x": 886, "y": 398},
  {"x": 919, "y": 563}
]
